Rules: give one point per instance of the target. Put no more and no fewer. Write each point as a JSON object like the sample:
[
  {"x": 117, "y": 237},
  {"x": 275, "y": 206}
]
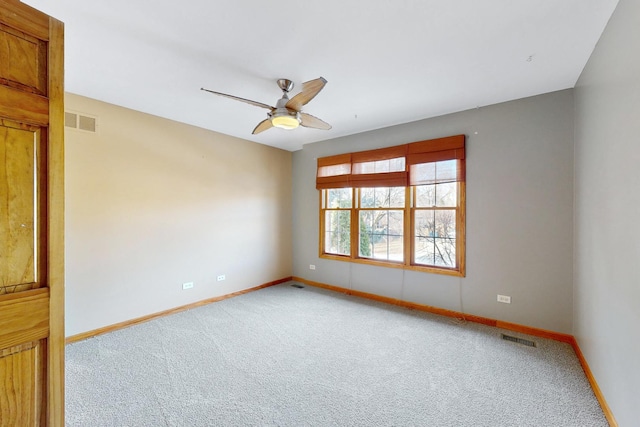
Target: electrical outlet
[
  {"x": 504, "y": 298},
  {"x": 187, "y": 285},
  {"x": 221, "y": 278},
  {"x": 312, "y": 267}
]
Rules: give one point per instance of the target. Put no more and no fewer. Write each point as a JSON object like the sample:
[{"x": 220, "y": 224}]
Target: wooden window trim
[{"x": 448, "y": 148}]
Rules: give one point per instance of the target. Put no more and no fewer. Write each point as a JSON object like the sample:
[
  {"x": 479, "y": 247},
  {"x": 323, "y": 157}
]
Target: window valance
[{"x": 416, "y": 163}]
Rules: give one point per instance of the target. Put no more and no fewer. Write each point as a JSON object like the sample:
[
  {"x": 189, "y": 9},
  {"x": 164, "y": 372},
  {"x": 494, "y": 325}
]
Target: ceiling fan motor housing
[{"x": 282, "y": 117}]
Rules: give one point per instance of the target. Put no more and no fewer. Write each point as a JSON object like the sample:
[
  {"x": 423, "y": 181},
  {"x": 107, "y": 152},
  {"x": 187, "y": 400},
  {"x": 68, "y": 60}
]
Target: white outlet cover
[
  {"x": 221, "y": 277},
  {"x": 187, "y": 285},
  {"x": 312, "y": 267},
  {"x": 504, "y": 298}
]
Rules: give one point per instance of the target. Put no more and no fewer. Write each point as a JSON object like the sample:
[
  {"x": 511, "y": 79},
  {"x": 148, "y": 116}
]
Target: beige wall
[
  {"x": 607, "y": 213},
  {"x": 152, "y": 203}
]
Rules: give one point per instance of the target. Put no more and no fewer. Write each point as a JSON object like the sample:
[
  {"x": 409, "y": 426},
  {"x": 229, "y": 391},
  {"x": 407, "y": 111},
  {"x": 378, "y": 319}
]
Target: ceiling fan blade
[
  {"x": 262, "y": 126},
  {"x": 248, "y": 101},
  {"x": 309, "y": 121},
  {"x": 309, "y": 90}
]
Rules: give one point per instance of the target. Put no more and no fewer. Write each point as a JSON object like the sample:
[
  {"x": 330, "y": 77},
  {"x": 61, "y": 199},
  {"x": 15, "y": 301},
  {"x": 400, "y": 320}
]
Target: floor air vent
[
  {"x": 295, "y": 285},
  {"x": 518, "y": 340}
]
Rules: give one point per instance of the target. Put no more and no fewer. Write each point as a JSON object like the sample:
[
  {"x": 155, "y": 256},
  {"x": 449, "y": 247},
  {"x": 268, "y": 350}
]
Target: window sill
[{"x": 391, "y": 264}]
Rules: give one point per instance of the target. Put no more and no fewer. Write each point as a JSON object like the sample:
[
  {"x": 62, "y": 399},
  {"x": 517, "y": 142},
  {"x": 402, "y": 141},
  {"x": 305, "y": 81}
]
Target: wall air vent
[
  {"x": 80, "y": 121},
  {"x": 518, "y": 340},
  {"x": 71, "y": 120},
  {"x": 87, "y": 123}
]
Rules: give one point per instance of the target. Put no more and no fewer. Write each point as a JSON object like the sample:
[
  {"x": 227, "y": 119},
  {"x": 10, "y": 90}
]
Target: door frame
[{"x": 55, "y": 227}]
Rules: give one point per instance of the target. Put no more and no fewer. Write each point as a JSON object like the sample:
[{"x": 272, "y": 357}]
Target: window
[
  {"x": 381, "y": 223},
  {"x": 337, "y": 221},
  {"x": 400, "y": 206}
]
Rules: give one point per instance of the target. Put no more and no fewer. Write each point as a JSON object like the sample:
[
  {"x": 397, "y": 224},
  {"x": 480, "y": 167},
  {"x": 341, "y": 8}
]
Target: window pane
[
  {"x": 362, "y": 168},
  {"x": 444, "y": 252},
  {"x": 441, "y": 195},
  {"x": 381, "y": 234},
  {"x": 434, "y": 172},
  {"x": 425, "y": 196},
  {"x": 380, "y": 166},
  {"x": 424, "y": 223},
  {"x": 423, "y": 173},
  {"x": 339, "y": 198},
  {"x": 382, "y": 197},
  {"x": 397, "y": 197},
  {"x": 445, "y": 223},
  {"x": 367, "y": 197},
  {"x": 337, "y": 232},
  {"x": 435, "y": 233},
  {"x": 334, "y": 170},
  {"x": 446, "y": 194},
  {"x": 446, "y": 170},
  {"x": 397, "y": 165},
  {"x": 425, "y": 251}
]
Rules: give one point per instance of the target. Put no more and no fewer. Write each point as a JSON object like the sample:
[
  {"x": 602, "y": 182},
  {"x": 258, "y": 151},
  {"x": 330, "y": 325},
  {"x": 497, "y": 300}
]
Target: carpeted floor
[{"x": 284, "y": 356}]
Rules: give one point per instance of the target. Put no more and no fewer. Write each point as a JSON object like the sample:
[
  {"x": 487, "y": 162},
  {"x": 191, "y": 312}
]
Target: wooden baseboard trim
[
  {"x": 399, "y": 302},
  {"x": 594, "y": 385},
  {"x": 127, "y": 323},
  {"x": 543, "y": 333},
  {"x": 393, "y": 301}
]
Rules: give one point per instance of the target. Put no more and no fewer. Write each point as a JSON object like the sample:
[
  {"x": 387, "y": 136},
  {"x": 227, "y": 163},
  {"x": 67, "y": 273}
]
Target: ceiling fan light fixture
[
  {"x": 285, "y": 120},
  {"x": 287, "y": 113}
]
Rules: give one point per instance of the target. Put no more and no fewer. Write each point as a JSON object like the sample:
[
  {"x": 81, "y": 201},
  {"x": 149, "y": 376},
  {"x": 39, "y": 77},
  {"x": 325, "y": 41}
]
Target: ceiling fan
[{"x": 287, "y": 113}]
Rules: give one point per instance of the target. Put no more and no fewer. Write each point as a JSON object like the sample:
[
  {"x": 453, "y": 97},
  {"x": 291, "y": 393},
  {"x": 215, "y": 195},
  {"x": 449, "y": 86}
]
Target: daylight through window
[{"x": 401, "y": 206}]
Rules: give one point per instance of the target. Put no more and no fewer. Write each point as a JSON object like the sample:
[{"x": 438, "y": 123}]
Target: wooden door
[{"x": 31, "y": 218}]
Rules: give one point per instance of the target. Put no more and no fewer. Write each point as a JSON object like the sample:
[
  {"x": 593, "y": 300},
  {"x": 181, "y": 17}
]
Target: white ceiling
[{"x": 387, "y": 62}]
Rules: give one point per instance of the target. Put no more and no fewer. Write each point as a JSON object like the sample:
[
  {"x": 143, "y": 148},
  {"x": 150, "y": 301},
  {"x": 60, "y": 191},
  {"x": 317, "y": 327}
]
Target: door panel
[
  {"x": 23, "y": 358},
  {"x": 29, "y": 68},
  {"x": 31, "y": 218},
  {"x": 23, "y": 404},
  {"x": 17, "y": 208}
]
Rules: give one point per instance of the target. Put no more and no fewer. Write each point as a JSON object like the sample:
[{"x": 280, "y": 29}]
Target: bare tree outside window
[
  {"x": 338, "y": 203},
  {"x": 382, "y": 226},
  {"x": 418, "y": 226}
]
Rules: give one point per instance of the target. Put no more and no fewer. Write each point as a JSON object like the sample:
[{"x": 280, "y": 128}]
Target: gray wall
[
  {"x": 607, "y": 214},
  {"x": 519, "y": 214}
]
